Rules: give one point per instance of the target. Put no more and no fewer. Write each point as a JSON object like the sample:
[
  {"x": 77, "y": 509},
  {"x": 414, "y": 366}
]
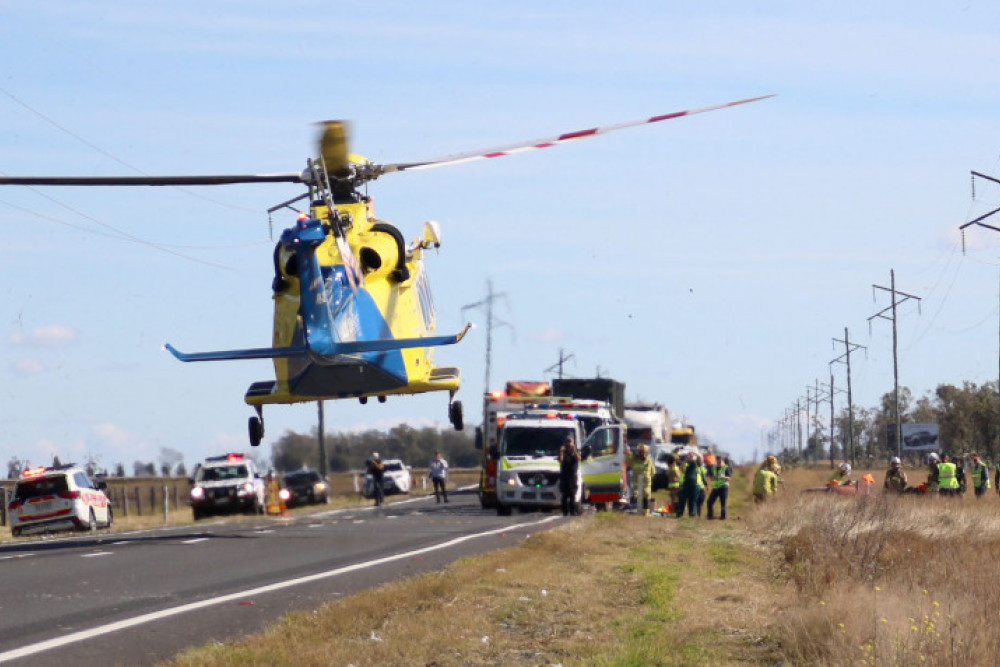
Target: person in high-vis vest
[
  {"x": 699, "y": 500},
  {"x": 720, "y": 473},
  {"x": 947, "y": 477},
  {"x": 841, "y": 476},
  {"x": 765, "y": 481},
  {"x": 980, "y": 476}
]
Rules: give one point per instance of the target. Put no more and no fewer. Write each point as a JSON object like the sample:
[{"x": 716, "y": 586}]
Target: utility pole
[
  {"x": 563, "y": 358},
  {"x": 491, "y": 322},
  {"x": 815, "y": 400},
  {"x": 846, "y": 359},
  {"x": 322, "y": 441},
  {"x": 895, "y": 347},
  {"x": 979, "y": 222},
  {"x": 832, "y": 391}
]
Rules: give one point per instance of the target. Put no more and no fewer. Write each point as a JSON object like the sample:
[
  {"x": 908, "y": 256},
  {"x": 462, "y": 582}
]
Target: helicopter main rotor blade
[
  {"x": 152, "y": 180},
  {"x": 553, "y": 141},
  {"x": 333, "y": 146}
]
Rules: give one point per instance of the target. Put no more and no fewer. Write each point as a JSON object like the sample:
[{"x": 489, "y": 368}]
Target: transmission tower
[
  {"x": 845, "y": 358},
  {"x": 563, "y": 358},
  {"x": 486, "y": 305}
]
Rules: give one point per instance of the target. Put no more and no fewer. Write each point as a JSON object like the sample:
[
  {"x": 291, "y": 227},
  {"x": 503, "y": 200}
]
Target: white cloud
[
  {"x": 27, "y": 366},
  {"x": 547, "y": 336},
  {"x": 54, "y": 335}
]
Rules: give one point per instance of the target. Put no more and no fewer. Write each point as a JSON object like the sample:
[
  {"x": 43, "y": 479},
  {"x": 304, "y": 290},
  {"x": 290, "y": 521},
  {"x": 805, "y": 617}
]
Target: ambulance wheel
[
  {"x": 503, "y": 510},
  {"x": 255, "y": 427}
]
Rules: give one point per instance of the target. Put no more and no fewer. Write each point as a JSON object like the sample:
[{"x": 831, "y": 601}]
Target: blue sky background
[{"x": 708, "y": 262}]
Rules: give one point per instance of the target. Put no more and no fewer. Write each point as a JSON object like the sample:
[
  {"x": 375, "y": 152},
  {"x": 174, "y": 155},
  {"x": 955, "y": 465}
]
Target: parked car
[
  {"x": 305, "y": 487},
  {"x": 397, "y": 479},
  {"x": 58, "y": 498}
]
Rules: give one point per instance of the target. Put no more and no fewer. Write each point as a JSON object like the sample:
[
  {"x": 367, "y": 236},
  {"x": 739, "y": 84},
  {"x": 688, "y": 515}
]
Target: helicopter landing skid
[{"x": 255, "y": 426}]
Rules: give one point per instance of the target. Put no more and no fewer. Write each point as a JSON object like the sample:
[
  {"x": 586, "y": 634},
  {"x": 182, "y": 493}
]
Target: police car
[
  {"x": 226, "y": 484},
  {"x": 58, "y": 498}
]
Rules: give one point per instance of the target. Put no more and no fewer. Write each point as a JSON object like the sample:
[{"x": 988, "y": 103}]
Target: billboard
[{"x": 920, "y": 437}]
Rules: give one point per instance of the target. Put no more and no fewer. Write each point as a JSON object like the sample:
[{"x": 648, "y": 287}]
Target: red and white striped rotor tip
[{"x": 525, "y": 146}]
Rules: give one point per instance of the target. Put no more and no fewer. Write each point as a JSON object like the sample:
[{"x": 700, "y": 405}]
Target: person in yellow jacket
[
  {"x": 673, "y": 481},
  {"x": 642, "y": 476},
  {"x": 765, "y": 482},
  {"x": 841, "y": 476},
  {"x": 980, "y": 476},
  {"x": 948, "y": 483}
]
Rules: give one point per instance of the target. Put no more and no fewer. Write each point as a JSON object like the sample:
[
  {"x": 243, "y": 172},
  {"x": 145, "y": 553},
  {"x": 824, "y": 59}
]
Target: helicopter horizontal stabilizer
[
  {"x": 233, "y": 355},
  {"x": 385, "y": 344}
]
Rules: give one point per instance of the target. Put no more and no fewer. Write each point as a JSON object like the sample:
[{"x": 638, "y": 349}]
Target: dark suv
[{"x": 306, "y": 487}]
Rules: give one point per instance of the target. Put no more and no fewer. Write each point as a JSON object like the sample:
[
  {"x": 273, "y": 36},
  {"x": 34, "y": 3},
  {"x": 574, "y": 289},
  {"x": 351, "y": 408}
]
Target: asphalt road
[{"x": 133, "y": 598}]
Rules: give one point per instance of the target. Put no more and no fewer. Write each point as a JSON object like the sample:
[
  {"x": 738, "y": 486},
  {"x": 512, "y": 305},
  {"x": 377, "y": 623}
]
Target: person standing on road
[
  {"x": 720, "y": 472},
  {"x": 377, "y": 470},
  {"x": 980, "y": 476},
  {"x": 569, "y": 468},
  {"x": 439, "y": 476}
]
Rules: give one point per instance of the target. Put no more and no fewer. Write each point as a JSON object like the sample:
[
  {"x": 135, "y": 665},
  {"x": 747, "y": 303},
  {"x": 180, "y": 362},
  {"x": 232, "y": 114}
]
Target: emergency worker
[
  {"x": 673, "y": 481},
  {"x": 702, "y": 484},
  {"x": 569, "y": 467},
  {"x": 720, "y": 472},
  {"x": 841, "y": 476},
  {"x": 932, "y": 472},
  {"x": 895, "y": 478},
  {"x": 948, "y": 477},
  {"x": 980, "y": 476},
  {"x": 689, "y": 486},
  {"x": 765, "y": 481},
  {"x": 642, "y": 476}
]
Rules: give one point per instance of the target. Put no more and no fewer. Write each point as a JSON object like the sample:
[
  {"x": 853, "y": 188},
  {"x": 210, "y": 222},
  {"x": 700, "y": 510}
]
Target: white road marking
[
  {"x": 97, "y": 553},
  {"x": 72, "y": 638},
  {"x": 194, "y": 540},
  {"x": 16, "y": 556}
]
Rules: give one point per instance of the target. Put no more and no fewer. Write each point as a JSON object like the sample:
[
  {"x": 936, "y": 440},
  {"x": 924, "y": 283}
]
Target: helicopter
[{"x": 353, "y": 312}]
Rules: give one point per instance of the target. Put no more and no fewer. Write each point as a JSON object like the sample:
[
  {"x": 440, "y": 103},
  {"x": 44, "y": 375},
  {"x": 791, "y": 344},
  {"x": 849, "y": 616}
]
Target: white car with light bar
[
  {"x": 226, "y": 484},
  {"x": 50, "y": 499}
]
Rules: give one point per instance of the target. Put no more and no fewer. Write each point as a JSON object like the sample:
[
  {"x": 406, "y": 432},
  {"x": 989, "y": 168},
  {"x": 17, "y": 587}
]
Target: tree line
[
  {"x": 968, "y": 419},
  {"x": 349, "y": 451}
]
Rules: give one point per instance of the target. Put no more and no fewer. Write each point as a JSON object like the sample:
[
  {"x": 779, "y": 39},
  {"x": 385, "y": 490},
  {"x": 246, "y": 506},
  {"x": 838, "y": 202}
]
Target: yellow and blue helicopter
[{"x": 353, "y": 312}]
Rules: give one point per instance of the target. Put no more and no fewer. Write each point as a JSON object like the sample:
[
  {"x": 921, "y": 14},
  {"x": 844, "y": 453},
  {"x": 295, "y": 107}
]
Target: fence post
[
  {"x": 166, "y": 511},
  {"x": 138, "y": 501},
  {"x": 3, "y": 506},
  {"x": 124, "y": 492}
]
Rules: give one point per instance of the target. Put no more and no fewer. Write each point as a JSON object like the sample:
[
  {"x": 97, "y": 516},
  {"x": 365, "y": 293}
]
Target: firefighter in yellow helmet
[
  {"x": 642, "y": 476},
  {"x": 765, "y": 481}
]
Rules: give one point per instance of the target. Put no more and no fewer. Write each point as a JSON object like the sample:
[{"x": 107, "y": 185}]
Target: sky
[{"x": 707, "y": 262}]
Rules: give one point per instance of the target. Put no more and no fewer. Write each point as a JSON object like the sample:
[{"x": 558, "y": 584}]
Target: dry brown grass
[{"x": 887, "y": 579}]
